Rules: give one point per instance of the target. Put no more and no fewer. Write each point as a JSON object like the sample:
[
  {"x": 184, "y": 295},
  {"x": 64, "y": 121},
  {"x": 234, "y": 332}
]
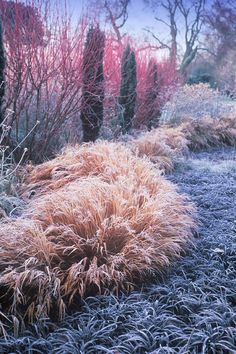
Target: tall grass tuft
[
  {"x": 109, "y": 161},
  {"x": 162, "y": 145},
  {"x": 210, "y": 132},
  {"x": 103, "y": 220}
]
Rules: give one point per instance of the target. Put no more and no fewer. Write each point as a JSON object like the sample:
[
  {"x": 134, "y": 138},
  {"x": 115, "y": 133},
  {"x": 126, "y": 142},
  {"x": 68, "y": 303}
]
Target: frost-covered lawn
[{"x": 192, "y": 311}]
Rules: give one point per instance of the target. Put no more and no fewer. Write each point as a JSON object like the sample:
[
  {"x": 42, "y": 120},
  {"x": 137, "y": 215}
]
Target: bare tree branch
[
  {"x": 116, "y": 13},
  {"x": 162, "y": 44}
]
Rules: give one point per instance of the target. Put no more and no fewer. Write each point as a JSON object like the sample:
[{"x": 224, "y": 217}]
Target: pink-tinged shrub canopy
[
  {"x": 168, "y": 78},
  {"x": 44, "y": 75},
  {"x": 22, "y": 22}
]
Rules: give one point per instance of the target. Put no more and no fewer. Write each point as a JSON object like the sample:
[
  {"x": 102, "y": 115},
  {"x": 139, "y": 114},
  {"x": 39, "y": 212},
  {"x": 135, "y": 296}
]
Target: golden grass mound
[
  {"x": 108, "y": 161},
  {"x": 90, "y": 234},
  {"x": 165, "y": 144},
  {"x": 210, "y": 132},
  {"x": 162, "y": 145}
]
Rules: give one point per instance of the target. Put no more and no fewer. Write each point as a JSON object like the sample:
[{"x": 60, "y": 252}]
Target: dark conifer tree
[
  {"x": 151, "y": 110},
  {"x": 127, "y": 98},
  {"x": 93, "y": 84}
]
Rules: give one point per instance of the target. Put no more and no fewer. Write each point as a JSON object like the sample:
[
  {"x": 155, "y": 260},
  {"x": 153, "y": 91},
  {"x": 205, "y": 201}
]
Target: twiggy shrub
[{"x": 2, "y": 74}]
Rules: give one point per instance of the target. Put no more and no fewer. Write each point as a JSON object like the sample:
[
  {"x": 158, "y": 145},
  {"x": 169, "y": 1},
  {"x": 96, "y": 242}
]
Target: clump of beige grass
[
  {"x": 108, "y": 161},
  {"x": 90, "y": 237},
  {"x": 209, "y": 132},
  {"x": 162, "y": 145},
  {"x": 165, "y": 144}
]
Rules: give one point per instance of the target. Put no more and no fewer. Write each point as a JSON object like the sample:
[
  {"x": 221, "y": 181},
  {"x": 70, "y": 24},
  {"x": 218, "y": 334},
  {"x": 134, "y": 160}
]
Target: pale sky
[{"x": 140, "y": 15}]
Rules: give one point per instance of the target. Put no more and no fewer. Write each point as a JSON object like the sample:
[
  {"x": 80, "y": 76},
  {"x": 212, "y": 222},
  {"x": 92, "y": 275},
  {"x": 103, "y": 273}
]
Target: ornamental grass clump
[
  {"x": 108, "y": 161},
  {"x": 210, "y": 132},
  {"x": 165, "y": 144},
  {"x": 162, "y": 145},
  {"x": 94, "y": 233}
]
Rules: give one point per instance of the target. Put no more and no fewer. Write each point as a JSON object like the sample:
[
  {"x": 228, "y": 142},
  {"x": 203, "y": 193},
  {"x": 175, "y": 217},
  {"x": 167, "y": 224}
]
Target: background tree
[
  {"x": 219, "y": 43},
  {"x": 179, "y": 13},
  {"x": 151, "y": 113},
  {"x": 202, "y": 71},
  {"x": 116, "y": 13},
  {"x": 127, "y": 98},
  {"x": 93, "y": 84},
  {"x": 221, "y": 22}
]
